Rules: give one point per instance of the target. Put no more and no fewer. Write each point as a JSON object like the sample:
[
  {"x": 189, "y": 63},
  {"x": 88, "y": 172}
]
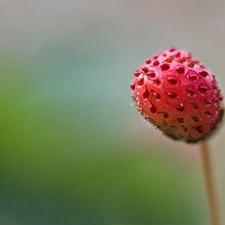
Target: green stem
[{"x": 210, "y": 185}]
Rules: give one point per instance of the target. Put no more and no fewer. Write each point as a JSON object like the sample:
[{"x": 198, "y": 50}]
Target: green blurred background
[{"x": 72, "y": 148}]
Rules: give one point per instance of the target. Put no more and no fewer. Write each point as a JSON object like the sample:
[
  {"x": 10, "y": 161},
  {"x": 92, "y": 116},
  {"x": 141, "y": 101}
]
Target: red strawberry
[{"x": 175, "y": 92}]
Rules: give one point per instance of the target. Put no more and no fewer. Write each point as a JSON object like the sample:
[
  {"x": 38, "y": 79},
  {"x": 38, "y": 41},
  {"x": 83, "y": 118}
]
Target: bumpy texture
[{"x": 176, "y": 93}]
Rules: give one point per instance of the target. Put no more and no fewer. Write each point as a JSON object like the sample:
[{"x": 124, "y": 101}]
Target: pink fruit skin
[{"x": 176, "y": 93}]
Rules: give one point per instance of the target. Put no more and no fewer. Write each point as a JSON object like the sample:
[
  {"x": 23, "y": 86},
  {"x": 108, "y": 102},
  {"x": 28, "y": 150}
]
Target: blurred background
[{"x": 72, "y": 148}]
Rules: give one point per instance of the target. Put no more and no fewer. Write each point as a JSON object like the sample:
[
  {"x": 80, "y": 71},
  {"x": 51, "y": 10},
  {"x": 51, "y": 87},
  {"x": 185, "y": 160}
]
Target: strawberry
[{"x": 177, "y": 94}]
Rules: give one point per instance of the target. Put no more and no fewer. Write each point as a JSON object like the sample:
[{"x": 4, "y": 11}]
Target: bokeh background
[{"x": 72, "y": 148}]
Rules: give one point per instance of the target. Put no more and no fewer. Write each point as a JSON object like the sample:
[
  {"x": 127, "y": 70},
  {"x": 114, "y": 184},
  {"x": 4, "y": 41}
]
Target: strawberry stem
[{"x": 210, "y": 185}]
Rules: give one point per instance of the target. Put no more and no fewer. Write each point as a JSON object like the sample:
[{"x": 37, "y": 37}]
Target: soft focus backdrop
[{"x": 72, "y": 148}]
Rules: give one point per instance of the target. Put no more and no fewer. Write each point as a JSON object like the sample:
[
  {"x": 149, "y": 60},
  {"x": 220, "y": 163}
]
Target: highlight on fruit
[{"x": 177, "y": 94}]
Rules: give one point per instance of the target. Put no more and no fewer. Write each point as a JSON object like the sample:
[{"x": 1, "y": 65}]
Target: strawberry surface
[{"x": 177, "y": 94}]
